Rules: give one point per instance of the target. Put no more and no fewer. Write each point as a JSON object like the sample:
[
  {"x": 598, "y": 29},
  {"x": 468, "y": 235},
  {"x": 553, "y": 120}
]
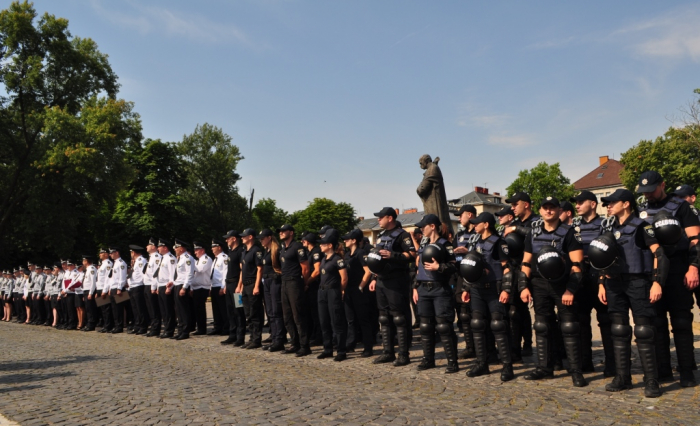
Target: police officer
[
  {"x": 464, "y": 311},
  {"x": 88, "y": 283},
  {"x": 99, "y": 288},
  {"x": 138, "y": 289},
  {"x": 201, "y": 288},
  {"x": 218, "y": 289},
  {"x": 556, "y": 251},
  {"x": 433, "y": 295},
  {"x": 687, "y": 193},
  {"x": 272, "y": 289},
  {"x": 236, "y": 315},
  {"x": 334, "y": 280},
  {"x": 520, "y": 319},
  {"x": 181, "y": 288},
  {"x": 314, "y": 255},
  {"x": 489, "y": 290},
  {"x": 588, "y": 225},
  {"x": 634, "y": 281},
  {"x": 295, "y": 276},
  {"x": 250, "y": 286},
  {"x": 505, "y": 217},
  {"x": 166, "y": 297},
  {"x": 357, "y": 310},
  {"x": 150, "y": 280},
  {"x": 116, "y": 282},
  {"x": 682, "y": 279},
  {"x": 69, "y": 278},
  {"x": 394, "y": 251},
  {"x": 567, "y": 213}
]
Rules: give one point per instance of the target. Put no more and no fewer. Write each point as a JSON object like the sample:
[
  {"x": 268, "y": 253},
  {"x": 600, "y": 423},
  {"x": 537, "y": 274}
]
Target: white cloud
[
  {"x": 484, "y": 120},
  {"x": 512, "y": 141}
]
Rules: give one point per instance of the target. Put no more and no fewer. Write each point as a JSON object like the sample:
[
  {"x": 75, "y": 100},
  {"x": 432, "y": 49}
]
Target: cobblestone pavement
[{"x": 67, "y": 377}]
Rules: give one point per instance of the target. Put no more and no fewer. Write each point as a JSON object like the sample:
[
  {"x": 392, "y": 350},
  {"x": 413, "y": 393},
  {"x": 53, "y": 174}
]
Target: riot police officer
[
  {"x": 684, "y": 256},
  {"x": 389, "y": 261},
  {"x": 433, "y": 295},
  {"x": 687, "y": 193},
  {"x": 555, "y": 249},
  {"x": 464, "y": 311}
]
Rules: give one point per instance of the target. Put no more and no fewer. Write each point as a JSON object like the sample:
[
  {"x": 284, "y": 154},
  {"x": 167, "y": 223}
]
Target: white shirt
[
  {"x": 137, "y": 275},
  {"x": 185, "y": 271},
  {"x": 220, "y": 270},
  {"x": 202, "y": 272},
  {"x": 67, "y": 281},
  {"x": 102, "y": 274},
  {"x": 89, "y": 279},
  {"x": 79, "y": 277},
  {"x": 166, "y": 270},
  {"x": 153, "y": 264},
  {"x": 118, "y": 279}
]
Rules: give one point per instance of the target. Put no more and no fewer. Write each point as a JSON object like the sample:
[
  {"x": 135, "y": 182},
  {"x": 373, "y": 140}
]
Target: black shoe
[
  {"x": 254, "y": 345},
  {"x": 130, "y": 331},
  {"x": 426, "y": 364},
  {"x": 152, "y": 333},
  {"x": 89, "y": 329},
  {"x": 276, "y": 347},
  {"x": 527, "y": 351},
  {"x": 619, "y": 383},
  {"x": 291, "y": 350},
  {"x": 384, "y": 358},
  {"x": 268, "y": 340},
  {"x": 166, "y": 336},
  {"x": 303, "y": 352},
  {"x": 402, "y": 360},
  {"x": 587, "y": 367},
  {"x": 104, "y": 330},
  {"x": 239, "y": 343},
  {"x": 200, "y": 333},
  {"x": 479, "y": 369},
  {"x": 117, "y": 331},
  {"x": 687, "y": 379},
  {"x": 652, "y": 389},
  {"x": 228, "y": 341},
  {"x": 367, "y": 353},
  {"x": 213, "y": 332},
  {"x": 324, "y": 355},
  {"x": 140, "y": 332},
  {"x": 183, "y": 336},
  {"x": 466, "y": 354},
  {"x": 538, "y": 374},
  {"x": 578, "y": 379},
  {"x": 175, "y": 336},
  {"x": 266, "y": 347},
  {"x": 507, "y": 372},
  {"x": 340, "y": 357},
  {"x": 452, "y": 367}
]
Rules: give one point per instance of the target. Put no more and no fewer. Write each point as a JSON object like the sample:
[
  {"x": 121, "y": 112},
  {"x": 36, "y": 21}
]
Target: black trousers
[
  {"x": 313, "y": 326},
  {"x": 295, "y": 316},
  {"x": 91, "y": 310},
  {"x": 141, "y": 318},
  {"x": 106, "y": 309},
  {"x": 587, "y": 301},
  {"x": 357, "y": 314},
  {"x": 182, "y": 309},
  {"x": 153, "y": 308},
  {"x": 218, "y": 310},
  {"x": 236, "y": 316},
  {"x": 69, "y": 304},
  {"x": 253, "y": 305},
  {"x": 167, "y": 309},
  {"x": 48, "y": 310},
  {"x": 331, "y": 313},
  {"x": 199, "y": 300},
  {"x": 273, "y": 309},
  {"x": 117, "y": 310},
  {"x": 19, "y": 306}
]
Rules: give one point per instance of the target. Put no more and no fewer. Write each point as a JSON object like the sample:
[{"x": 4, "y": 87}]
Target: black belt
[
  {"x": 275, "y": 276},
  {"x": 248, "y": 282},
  {"x": 432, "y": 284}
]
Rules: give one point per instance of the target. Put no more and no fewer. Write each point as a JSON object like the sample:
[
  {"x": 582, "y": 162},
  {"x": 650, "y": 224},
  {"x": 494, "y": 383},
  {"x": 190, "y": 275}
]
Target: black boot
[
  {"x": 662, "y": 341},
  {"x": 449, "y": 344},
  {"x": 543, "y": 370},
  {"x": 606, "y": 337},
  {"x": 468, "y": 351},
  {"x": 572, "y": 345},
  {"x": 427, "y": 341},
  {"x": 481, "y": 367},
  {"x": 387, "y": 344},
  {"x": 646, "y": 346},
  {"x": 402, "y": 333},
  {"x": 622, "y": 338},
  {"x": 683, "y": 339}
]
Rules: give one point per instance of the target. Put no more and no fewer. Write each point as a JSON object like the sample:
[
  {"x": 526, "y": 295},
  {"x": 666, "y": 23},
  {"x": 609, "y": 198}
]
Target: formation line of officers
[{"x": 340, "y": 292}]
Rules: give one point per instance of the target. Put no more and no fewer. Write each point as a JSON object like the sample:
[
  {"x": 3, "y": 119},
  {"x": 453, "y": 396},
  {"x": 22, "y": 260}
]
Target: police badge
[
  {"x": 617, "y": 235},
  {"x": 643, "y": 215},
  {"x": 341, "y": 264},
  {"x": 650, "y": 231},
  {"x": 504, "y": 247}
]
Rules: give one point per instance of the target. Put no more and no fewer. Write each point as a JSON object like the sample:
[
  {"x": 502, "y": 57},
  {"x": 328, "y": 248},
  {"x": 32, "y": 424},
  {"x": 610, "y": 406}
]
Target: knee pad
[
  {"x": 621, "y": 330},
  {"x": 478, "y": 324},
  {"x": 540, "y": 326},
  {"x": 570, "y": 328},
  {"x": 444, "y": 328},
  {"x": 499, "y": 326},
  {"x": 465, "y": 317},
  {"x": 383, "y": 318},
  {"x": 644, "y": 332},
  {"x": 399, "y": 319},
  {"x": 427, "y": 326}
]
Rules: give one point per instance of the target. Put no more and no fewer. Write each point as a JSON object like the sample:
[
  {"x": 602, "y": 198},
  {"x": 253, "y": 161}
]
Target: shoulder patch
[
  {"x": 694, "y": 210},
  {"x": 650, "y": 231},
  {"x": 226, "y": 261},
  {"x": 172, "y": 261},
  {"x": 578, "y": 237},
  {"x": 259, "y": 255},
  {"x": 341, "y": 264},
  {"x": 301, "y": 252},
  {"x": 316, "y": 256},
  {"x": 407, "y": 241},
  {"x": 504, "y": 247}
]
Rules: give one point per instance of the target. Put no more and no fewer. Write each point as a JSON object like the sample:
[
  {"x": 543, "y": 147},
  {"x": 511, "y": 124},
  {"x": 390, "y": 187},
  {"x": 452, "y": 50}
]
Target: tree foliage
[
  {"x": 543, "y": 180},
  {"x": 322, "y": 211},
  {"x": 266, "y": 214}
]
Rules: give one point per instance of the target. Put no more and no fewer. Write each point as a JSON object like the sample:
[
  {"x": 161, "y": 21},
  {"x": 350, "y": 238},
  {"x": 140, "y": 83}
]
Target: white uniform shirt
[
  {"x": 202, "y": 272},
  {"x": 166, "y": 271},
  {"x": 67, "y": 281},
  {"x": 79, "y": 277},
  {"x": 153, "y": 264},
  {"x": 102, "y": 274},
  {"x": 137, "y": 274},
  {"x": 185, "y": 271},
  {"x": 90, "y": 279},
  {"x": 220, "y": 270},
  {"x": 118, "y": 279}
]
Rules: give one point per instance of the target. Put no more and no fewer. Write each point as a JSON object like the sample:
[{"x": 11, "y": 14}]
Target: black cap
[
  {"x": 197, "y": 245},
  {"x": 286, "y": 227},
  {"x": 310, "y": 237},
  {"x": 466, "y": 208},
  {"x": 231, "y": 233},
  {"x": 180, "y": 243},
  {"x": 567, "y": 207},
  {"x": 135, "y": 248},
  {"x": 152, "y": 242},
  {"x": 103, "y": 250},
  {"x": 583, "y": 196},
  {"x": 69, "y": 262},
  {"x": 618, "y": 195},
  {"x": 428, "y": 219},
  {"x": 519, "y": 196},
  {"x": 331, "y": 237},
  {"x": 265, "y": 233},
  {"x": 684, "y": 190},
  {"x": 354, "y": 234},
  {"x": 163, "y": 242},
  {"x": 113, "y": 249},
  {"x": 386, "y": 211},
  {"x": 550, "y": 200},
  {"x": 216, "y": 243},
  {"x": 484, "y": 217},
  {"x": 648, "y": 181},
  {"x": 505, "y": 211},
  {"x": 86, "y": 257},
  {"x": 247, "y": 232},
  {"x": 324, "y": 229}
]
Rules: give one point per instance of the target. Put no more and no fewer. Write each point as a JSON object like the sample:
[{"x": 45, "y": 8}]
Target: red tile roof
[{"x": 606, "y": 175}]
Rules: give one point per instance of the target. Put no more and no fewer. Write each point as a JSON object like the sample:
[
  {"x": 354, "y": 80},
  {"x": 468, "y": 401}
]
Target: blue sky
[{"x": 340, "y": 99}]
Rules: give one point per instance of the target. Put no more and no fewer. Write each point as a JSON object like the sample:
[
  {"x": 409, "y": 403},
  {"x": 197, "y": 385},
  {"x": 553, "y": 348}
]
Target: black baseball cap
[
  {"x": 386, "y": 211},
  {"x": 484, "y": 217},
  {"x": 619, "y": 195},
  {"x": 286, "y": 227},
  {"x": 519, "y": 196},
  {"x": 466, "y": 208},
  {"x": 429, "y": 219},
  {"x": 310, "y": 237},
  {"x": 550, "y": 200},
  {"x": 648, "y": 181},
  {"x": 354, "y": 234},
  {"x": 247, "y": 232},
  {"x": 505, "y": 211},
  {"x": 331, "y": 237},
  {"x": 583, "y": 196},
  {"x": 324, "y": 229},
  {"x": 231, "y": 233},
  {"x": 265, "y": 233},
  {"x": 567, "y": 207},
  {"x": 684, "y": 190}
]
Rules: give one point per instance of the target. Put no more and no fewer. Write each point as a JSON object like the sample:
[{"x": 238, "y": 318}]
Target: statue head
[{"x": 424, "y": 160}]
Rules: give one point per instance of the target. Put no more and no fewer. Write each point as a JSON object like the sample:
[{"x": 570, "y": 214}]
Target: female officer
[
  {"x": 489, "y": 296},
  {"x": 272, "y": 289},
  {"x": 433, "y": 294},
  {"x": 357, "y": 310},
  {"x": 334, "y": 279},
  {"x": 628, "y": 284}
]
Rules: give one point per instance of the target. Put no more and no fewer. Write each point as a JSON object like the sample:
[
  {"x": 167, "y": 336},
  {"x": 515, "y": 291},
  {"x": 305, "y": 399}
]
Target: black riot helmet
[
  {"x": 602, "y": 252},
  {"x": 516, "y": 245},
  {"x": 550, "y": 264},
  {"x": 471, "y": 268},
  {"x": 667, "y": 228},
  {"x": 375, "y": 262},
  {"x": 433, "y": 253}
]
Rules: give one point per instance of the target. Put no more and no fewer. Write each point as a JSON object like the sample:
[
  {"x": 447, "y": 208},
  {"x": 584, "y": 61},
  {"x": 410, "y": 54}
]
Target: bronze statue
[{"x": 432, "y": 191}]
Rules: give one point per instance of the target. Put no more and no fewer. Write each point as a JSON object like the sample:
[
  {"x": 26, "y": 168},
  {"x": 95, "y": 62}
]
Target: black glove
[{"x": 574, "y": 283}]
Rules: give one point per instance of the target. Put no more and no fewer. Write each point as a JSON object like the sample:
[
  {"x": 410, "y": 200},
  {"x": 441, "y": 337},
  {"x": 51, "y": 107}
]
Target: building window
[{"x": 600, "y": 175}]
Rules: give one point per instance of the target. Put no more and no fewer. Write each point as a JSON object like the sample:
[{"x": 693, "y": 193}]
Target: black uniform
[
  {"x": 519, "y": 312},
  {"x": 313, "y": 324},
  {"x": 293, "y": 301},
  {"x": 357, "y": 309},
  {"x": 252, "y": 303},
  {"x": 464, "y": 310},
  {"x": 236, "y": 316},
  {"x": 331, "y": 311},
  {"x": 273, "y": 298}
]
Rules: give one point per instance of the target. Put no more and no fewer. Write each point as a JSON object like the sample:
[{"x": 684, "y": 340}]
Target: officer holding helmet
[
  {"x": 687, "y": 193},
  {"x": 465, "y": 213},
  {"x": 680, "y": 245},
  {"x": 556, "y": 254}
]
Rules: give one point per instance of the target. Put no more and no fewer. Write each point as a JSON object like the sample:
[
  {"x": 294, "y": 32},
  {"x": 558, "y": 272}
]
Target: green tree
[
  {"x": 209, "y": 161},
  {"x": 542, "y": 181},
  {"x": 266, "y": 214},
  {"x": 322, "y": 211}
]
